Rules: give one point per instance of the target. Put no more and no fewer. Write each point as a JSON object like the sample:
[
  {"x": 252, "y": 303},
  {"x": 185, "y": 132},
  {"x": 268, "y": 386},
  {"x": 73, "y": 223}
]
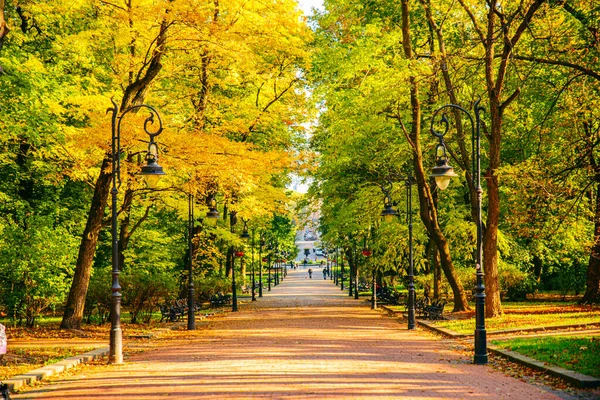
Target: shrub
[
  {"x": 515, "y": 284},
  {"x": 209, "y": 285},
  {"x": 144, "y": 288}
]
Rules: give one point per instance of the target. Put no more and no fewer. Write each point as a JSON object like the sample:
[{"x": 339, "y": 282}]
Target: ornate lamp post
[
  {"x": 342, "y": 273},
  {"x": 442, "y": 173},
  {"x": 212, "y": 215},
  {"x": 151, "y": 172},
  {"x": 366, "y": 254},
  {"x": 238, "y": 254},
  {"x": 191, "y": 320},
  {"x": 269, "y": 260},
  {"x": 245, "y": 236},
  {"x": 276, "y": 264},
  {"x": 260, "y": 269},
  {"x": 234, "y": 305},
  {"x": 388, "y": 214}
]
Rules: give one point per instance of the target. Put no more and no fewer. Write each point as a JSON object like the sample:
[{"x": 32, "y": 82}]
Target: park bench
[
  {"x": 219, "y": 299},
  {"x": 247, "y": 288},
  {"x": 435, "y": 311},
  {"x": 387, "y": 295},
  {"x": 173, "y": 312}
]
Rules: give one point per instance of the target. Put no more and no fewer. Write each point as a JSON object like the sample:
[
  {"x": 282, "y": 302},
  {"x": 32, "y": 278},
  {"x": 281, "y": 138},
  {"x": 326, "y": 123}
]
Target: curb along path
[{"x": 304, "y": 339}]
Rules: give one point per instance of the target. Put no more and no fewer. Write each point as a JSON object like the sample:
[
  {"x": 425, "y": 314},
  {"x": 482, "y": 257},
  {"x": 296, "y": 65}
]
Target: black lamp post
[
  {"x": 212, "y": 215},
  {"x": 276, "y": 264},
  {"x": 151, "y": 172},
  {"x": 388, "y": 214},
  {"x": 342, "y": 273},
  {"x": 442, "y": 173},
  {"x": 269, "y": 260},
  {"x": 191, "y": 320},
  {"x": 246, "y": 237},
  {"x": 260, "y": 269},
  {"x": 366, "y": 254},
  {"x": 234, "y": 305}
]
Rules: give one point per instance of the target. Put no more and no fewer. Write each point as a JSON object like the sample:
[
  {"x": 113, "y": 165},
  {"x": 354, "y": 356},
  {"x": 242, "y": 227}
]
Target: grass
[
  {"x": 523, "y": 321},
  {"x": 21, "y": 360},
  {"x": 580, "y": 354}
]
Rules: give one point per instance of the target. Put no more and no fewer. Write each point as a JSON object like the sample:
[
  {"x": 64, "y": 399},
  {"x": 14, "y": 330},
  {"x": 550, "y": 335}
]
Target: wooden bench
[
  {"x": 219, "y": 299},
  {"x": 174, "y": 312},
  {"x": 435, "y": 311}
]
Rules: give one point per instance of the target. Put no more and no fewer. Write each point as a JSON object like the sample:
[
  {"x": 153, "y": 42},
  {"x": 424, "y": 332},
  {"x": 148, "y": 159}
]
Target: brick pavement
[{"x": 303, "y": 340}]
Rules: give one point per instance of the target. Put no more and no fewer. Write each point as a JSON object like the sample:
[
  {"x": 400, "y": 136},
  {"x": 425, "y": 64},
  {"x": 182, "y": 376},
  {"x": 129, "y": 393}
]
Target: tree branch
[{"x": 577, "y": 67}]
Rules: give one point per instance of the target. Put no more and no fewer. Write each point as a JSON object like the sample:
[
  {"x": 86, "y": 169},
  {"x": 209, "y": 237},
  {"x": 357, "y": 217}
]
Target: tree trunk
[
  {"x": 427, "y": 208},
  {"x": 3, "y": 29},
  {"x": 73, "y": 314},
  {"x": 592, "y": 288},
  {"x": 538, "y": 268},
  {"x": 228, "y": 262},
  {"x": 351, "y": 265}
]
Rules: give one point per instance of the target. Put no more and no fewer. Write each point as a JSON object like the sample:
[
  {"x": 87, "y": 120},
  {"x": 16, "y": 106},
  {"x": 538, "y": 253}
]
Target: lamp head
[
  {"x": 442, "y": 172},
  {"x": 388, "y": 212},
  {"x": 213, "y": 214},
  {"x": 152, "y": 172},
  {"x": 245, "y": 236}
]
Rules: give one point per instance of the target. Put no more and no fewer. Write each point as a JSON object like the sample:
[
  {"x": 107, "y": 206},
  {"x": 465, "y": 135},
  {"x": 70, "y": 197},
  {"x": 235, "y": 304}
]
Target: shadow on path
[{"x": 304, "y": 339}]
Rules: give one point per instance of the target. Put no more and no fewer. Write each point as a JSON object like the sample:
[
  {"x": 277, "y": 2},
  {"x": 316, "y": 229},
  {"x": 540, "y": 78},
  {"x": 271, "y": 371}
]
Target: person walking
[{"x": 310, "y": 273}]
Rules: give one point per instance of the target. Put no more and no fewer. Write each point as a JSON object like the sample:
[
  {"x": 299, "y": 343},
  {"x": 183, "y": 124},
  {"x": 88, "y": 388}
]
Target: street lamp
[
  {"x": 246, "y": 236},
  {"x": 239, "y": 254},
  {"x": 367, "y": 253},
  {"x": 260, "y": 269},
  {"x": 212, "y": 215},
  {"x": 234, "y": 305},
  {"x": 342, "y": 272},
  {"x": 151, "y": 173},
  {"x": 191, "y": 321},
  {"x": 269, "y": 261},
  {"x": 442, "y": 173},
  {"x": 388, "y": 214}
]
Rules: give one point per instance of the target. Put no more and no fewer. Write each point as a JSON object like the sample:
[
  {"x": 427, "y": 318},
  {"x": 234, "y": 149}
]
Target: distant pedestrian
[
  {"x": 3, "y": 341},
  {"x": 310, "y": 273},
  {"x": 324, "y": 273}
]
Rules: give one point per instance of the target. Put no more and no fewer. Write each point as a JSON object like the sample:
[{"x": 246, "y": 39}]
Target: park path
[{"x": 305, "y": 339}]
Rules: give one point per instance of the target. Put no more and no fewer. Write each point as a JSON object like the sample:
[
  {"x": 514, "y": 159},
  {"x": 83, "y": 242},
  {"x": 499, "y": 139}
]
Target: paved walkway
[{"x": 304, "y": 339}]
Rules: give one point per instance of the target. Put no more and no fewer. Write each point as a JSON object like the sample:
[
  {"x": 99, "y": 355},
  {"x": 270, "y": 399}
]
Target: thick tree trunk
[
  {"x": 73, "y": 314},
  {"x": 3, "y": 28},
  {"x": 229, "y": 261},
  {"x": 493, "y": 306},
  {"x": 592, "y": 289},
  {"x": 427, "y": 208}
]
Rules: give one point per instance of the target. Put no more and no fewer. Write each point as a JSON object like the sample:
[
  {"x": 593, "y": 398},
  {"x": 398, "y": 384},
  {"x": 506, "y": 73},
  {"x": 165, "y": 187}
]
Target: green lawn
[
  {"x": 581, "y": 354},
  {"x": 526, "y": 320}
]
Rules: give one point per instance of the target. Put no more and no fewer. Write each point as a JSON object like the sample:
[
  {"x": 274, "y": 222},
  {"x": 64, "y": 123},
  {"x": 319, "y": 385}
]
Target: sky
[{"x": 306, "y": 5}]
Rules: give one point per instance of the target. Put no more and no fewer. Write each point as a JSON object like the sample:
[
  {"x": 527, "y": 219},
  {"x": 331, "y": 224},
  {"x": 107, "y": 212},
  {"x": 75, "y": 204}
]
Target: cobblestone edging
[
  {"x": 16, "y": 382},
  {"x": 575, "y": 378}
]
